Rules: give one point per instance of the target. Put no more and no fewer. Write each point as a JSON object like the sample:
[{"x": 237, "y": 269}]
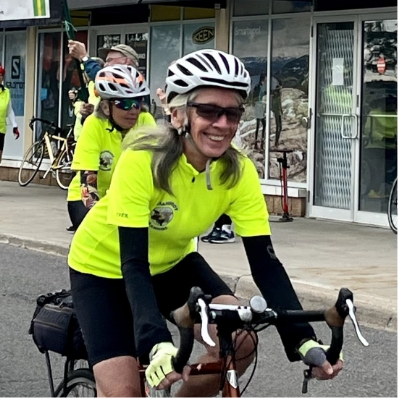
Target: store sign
[
  {"x": 24, "y": 9},
  {"x": 203, "y": 35}
]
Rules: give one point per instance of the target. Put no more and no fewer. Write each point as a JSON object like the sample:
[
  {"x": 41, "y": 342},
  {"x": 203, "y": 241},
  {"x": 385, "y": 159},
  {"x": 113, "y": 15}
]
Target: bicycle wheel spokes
[
  {"x": 31, "y": 163},
  {"x": 392, "y": 208},
  {"x": 63, "y": 172}
]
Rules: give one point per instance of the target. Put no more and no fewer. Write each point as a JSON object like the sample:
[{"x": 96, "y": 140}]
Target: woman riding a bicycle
[
  {"x": 133, "y": 258},
  {"x": 121, "y": 89}
]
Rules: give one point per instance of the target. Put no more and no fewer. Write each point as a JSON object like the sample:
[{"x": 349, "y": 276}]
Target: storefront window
[
  {"x": 379, "y": 114},
  {"x": 48, "y": 77},
  {"x": 251, "y": 7},
  {"x": 250, "y": 40},
  {"x": 53, "y": 102},
  {"x": 289, "y": 96},
  {"x": 139, "y": 41},
  {"x": 165, "y": 48},
  {"x": 107, "y": 41},
  {"x": 198, "y": 36},
  {"x": 14, "y": 80},
  {"x": 283, "y": 7}
]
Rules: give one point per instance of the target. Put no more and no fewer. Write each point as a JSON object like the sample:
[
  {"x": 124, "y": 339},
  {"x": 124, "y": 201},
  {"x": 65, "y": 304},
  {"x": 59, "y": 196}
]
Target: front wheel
[
  {"x": 392, "y": 208},
  {"x": 63, "y": 172},
  {"x": 31, "y": 163},
  {"x": 80, "y": 383}
]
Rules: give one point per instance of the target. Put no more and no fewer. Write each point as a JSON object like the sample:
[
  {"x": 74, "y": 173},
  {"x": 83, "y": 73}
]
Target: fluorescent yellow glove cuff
[
  {"x": 160, "y": 365},
  {"x": 304, "y": 348}
]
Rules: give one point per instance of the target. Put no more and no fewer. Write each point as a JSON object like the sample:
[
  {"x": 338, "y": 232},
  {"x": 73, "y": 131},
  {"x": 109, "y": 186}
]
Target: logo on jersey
[
  {"x": 106, "y": 160},
  {"x": 162, "y": 215}
]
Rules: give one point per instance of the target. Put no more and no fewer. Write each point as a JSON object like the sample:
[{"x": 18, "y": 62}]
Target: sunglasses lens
[
  {"x": 207, "y": 112},
  {"x": 127, "y": 104},
  {"x": 213, "y": 113}
]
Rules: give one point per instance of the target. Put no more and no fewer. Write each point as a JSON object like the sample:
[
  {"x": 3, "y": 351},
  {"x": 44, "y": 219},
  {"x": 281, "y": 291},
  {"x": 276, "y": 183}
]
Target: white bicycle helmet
[
  {"x": 120, "y": 81},
  {"x": 207, "y": 68}
]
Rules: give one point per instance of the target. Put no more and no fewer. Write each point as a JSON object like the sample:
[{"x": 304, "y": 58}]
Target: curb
[{"x": 372, "y": 312}]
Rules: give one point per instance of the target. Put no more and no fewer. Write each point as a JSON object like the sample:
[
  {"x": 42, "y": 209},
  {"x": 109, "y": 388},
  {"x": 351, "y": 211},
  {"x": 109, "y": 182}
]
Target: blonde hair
[{"x": 166, "y": 144}]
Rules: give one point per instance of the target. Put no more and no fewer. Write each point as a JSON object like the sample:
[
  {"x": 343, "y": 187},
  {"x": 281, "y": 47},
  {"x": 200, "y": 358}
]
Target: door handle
[{"x": 354, "y": 127}]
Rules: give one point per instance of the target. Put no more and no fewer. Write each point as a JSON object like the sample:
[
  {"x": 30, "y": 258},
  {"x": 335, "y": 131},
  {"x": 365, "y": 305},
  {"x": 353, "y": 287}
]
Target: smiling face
[{"x": 211, "y": 133}]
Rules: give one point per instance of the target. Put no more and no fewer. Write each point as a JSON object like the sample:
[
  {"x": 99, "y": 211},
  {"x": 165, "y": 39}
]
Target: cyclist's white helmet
[
  {"x": 207, "y": 68},
  {"x": 120, "y": 81}
]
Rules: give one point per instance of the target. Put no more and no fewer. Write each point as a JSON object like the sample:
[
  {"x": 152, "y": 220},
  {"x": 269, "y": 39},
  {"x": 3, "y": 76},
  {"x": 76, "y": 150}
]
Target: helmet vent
[
  {"x": 184, "y": 70},
  {"x": 224, "y": 60},
  {"x": 214, "y": 62},
  {"x": 237, "y": 67},
  {"x": 112, "y": 87},
  {"x": 181, "y": 83},
  {"x": 196, "y": 63}
]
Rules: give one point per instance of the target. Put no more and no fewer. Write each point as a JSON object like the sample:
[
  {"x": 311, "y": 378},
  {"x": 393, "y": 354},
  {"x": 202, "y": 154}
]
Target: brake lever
[
  {"x": 205, "y": 323},
  {"x": 351, "y": 313}
]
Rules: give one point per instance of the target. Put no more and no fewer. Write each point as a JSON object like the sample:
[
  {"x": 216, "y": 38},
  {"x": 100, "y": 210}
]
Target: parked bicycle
[
  {"x": 57, "y": 149},
  {"x": 392, "y": 207},
  {"x": 228, "y": 318}
]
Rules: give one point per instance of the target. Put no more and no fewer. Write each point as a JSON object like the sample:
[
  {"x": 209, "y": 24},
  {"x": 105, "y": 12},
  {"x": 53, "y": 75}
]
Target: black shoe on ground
[
  {"x": 212, "y": 235},
  {"x": 71, "y": 229}
]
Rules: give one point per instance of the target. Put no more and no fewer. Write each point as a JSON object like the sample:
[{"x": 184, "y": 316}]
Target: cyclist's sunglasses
[
  {"x": 128, "y": 103},
  {"x": 212, "y": 112}
]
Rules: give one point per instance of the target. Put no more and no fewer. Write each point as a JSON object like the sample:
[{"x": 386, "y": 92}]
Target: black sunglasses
[{"x": 212, "y": 112}]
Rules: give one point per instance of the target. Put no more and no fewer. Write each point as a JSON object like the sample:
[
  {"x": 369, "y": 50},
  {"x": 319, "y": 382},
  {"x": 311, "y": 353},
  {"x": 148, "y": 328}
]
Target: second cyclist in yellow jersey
[{"x": 121, "y": 89}]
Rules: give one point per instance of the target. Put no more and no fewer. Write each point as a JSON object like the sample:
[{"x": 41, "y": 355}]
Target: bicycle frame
[{"x": 54, "y": 159}]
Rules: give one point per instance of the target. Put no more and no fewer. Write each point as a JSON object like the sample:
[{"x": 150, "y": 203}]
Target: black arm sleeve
[
  {"x": 274, "y": 284},
  {"x": 149, "y": 326}
]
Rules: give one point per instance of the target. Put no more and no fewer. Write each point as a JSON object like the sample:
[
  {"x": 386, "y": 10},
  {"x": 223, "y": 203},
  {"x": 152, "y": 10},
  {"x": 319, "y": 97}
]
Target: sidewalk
[{"x": 319, "y": 256}]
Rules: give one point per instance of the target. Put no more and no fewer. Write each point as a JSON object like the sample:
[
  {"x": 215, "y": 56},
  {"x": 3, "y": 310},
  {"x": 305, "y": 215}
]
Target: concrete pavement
[{"x": 320, "y": 256}]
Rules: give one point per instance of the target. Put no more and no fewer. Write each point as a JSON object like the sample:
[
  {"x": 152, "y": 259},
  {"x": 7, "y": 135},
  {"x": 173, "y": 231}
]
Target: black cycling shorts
[
  {"x": 2, "y": 138},
  {"x": 104, "y": 312}
]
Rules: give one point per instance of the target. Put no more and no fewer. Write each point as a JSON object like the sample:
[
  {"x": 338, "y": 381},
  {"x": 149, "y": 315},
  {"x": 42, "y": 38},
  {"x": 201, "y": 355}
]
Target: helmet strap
[{"x": 114, "y": 125}]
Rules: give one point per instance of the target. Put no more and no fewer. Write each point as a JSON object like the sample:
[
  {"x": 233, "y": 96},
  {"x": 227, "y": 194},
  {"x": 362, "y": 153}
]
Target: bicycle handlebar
[
  {"x": 199, "y": 309},
  {"x": 51, "y": 124}
]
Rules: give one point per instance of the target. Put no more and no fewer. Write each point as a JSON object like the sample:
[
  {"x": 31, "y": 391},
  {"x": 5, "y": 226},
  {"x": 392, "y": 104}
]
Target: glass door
[
  {"x": 336, "y": 120},
  {"x": 378, "y": 138}
]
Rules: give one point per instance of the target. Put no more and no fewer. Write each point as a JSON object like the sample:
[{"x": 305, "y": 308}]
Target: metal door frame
[
  {"x": 320, "y": 211},
  {"x": 353, "y": 214}
]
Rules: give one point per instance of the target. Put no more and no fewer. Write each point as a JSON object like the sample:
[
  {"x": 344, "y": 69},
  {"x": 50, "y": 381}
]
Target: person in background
[
  {"x": 121, "y": 89},
  {"x": 6, "y": 111},
  {"x": 221, "y": 232},
  {"x": 81, "y": 108},
  {"x": 259, "y": 92},
  {"x": 121, "y": 54}
]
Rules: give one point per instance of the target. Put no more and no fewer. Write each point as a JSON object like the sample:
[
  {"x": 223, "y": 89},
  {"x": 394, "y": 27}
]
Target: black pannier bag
[{"x": 54, "y": 326}]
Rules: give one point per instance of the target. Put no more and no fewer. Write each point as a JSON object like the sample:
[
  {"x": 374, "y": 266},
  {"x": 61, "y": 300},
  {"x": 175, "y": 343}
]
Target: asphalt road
[{"x": 25, "y": 274}]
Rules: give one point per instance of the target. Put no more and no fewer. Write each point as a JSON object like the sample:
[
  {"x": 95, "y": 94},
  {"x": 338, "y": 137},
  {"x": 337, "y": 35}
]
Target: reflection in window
[
  {"x": 107, "y": 41},
  {"x": 139, "y": 41},
  {"x": 70, "y": 80},
  {"x": 165, "y": 48},
  {"x": 289, "y": 96},
  {"x": 284, "y": 7},
  {"x": 379, "y": 114},
  {"x": 48, "y": 74},
  {"x": 251, "y": 134},
  {"x": 55, "y": 80},
  {"x": 251, "y": 7}
]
